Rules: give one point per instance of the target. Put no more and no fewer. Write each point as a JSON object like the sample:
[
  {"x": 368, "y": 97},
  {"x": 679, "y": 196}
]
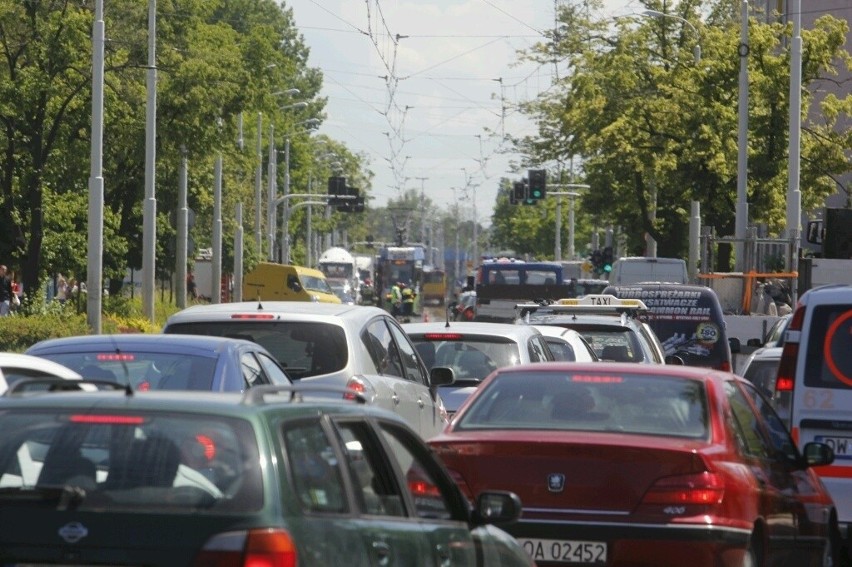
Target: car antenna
[
  {"x": 259, "y": 304},
  {"x": 128, "y": 389}
]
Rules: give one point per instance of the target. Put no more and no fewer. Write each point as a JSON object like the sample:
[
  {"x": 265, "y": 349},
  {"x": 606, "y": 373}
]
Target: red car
[{"x": 643, "y": 465}]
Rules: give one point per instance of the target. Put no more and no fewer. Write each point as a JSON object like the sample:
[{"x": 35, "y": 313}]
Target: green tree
[{"x": 653, "y": 129}]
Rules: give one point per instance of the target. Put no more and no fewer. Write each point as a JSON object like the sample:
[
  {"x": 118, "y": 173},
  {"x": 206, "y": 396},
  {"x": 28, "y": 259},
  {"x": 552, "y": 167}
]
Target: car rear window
[
  {"x": 303, "y": 348},
  {"x": 143, "y": 370},
  {"x": 828, "y": 363},
  {"x": 471, "y": 358},
  {"x": 611, "y": 342},
  {"x": 591, "y": 401},
  {"x": 131, "y": 460}
]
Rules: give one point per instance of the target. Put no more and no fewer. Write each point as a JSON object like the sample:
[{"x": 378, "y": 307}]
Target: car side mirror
[
  {"x": 497, "y": 507},
  {"x": 735, "y": 345},
  {"x": 817, "y": 454},
  {"x": 440, "y": 376},
  {"x": 753, "y": 343}
]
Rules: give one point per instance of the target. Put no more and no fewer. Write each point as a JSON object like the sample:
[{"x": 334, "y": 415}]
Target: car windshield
[
  {"x": 142, "y": 370},
  {"x": 314, "y": 283},
  {"x": 303, "y": 348},
  {"x": 130, "y": 460},
  {"x": 590, "y": 401}
]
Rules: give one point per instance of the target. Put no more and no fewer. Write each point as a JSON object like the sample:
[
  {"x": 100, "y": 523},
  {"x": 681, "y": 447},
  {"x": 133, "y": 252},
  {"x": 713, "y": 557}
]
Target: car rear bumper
[{"x": 645, "y": 545}]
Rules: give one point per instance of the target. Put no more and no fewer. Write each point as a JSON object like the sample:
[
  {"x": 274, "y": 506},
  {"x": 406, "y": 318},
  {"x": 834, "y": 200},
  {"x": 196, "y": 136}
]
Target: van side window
[{"x": 820, "y": 372}]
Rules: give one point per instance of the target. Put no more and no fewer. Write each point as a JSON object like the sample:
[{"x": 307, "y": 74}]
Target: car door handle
[
  {"x": 420, "y": 402},
  {"x": 383, "y": 553},
  {"x": 395, "y": 399}
]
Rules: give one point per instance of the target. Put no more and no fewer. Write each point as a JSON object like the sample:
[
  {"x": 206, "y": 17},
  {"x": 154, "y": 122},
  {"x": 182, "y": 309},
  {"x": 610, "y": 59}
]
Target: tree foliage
[{"x": 654, "y": 129}]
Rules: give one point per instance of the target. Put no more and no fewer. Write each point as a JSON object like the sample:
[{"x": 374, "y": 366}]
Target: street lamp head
[
  {"x": 288, "y": 92},
  {"x": 294, "y": 106}
]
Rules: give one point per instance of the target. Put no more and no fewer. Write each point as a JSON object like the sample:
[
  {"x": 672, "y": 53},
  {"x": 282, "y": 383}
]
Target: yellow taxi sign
[{"x": 602, "y": 300}]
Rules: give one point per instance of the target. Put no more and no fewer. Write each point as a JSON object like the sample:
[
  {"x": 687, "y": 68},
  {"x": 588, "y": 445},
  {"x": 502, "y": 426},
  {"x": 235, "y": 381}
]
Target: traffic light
[
  {"x": 538, "y": 183},
  {"x": 597, "y": 260},
  {"x": 519, "y": 193},
  {"x": 336, "y": 187},
  {"x": 355, "y": 202},
  {"x": 606, "y": 259}
]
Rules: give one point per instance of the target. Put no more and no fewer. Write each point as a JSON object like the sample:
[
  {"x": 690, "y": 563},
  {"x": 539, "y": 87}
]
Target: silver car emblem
[
  {"x": 72, "y": 532},
  {"x": 556, "y": 482}
]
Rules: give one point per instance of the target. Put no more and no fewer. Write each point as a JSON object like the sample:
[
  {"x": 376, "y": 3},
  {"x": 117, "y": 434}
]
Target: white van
[
  {"x": 813, "y": 389},
  {"x": 636, "y": 269}
]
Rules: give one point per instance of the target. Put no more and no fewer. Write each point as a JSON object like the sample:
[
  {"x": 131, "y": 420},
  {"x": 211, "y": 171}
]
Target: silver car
[
  {"x": 360, "y": 347},
  {"x": 474, "y": 350},
  {"x": 567, "y": 344}
]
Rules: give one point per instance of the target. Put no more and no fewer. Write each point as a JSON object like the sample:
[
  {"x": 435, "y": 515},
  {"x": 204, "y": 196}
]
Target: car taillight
[
  {"x": 253, "y": 548},
  {"x": 704, "y": 489},
  {"x": 356, "y": 385},
  {"x": 787, "y": 368},
  {"x": 797, "y": 319},
  {"x": 725, "y": 366}
]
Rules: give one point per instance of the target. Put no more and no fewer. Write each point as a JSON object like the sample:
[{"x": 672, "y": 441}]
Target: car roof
[
  {"x": 699, "y": 373},
  {"x": 138, "y": 341},
  {"x": 294, "y": 310},
  {"x": 254, "y": 401},
  {"x": 19, "y": 360},
  {"x": 509, "y": 330}
]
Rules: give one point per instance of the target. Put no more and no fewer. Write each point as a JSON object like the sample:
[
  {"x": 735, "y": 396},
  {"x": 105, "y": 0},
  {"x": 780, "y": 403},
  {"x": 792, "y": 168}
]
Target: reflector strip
[{"x": 834, "y": 471}]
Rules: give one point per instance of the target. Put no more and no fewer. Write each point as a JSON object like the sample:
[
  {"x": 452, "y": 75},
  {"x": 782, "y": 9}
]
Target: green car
[{"x": 279, "y": 476}]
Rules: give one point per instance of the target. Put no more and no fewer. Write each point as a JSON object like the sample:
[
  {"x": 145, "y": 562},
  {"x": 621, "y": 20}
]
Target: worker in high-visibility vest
[
  {"x": 408, "y": 296},
  {"x": 396, "y": 299}
]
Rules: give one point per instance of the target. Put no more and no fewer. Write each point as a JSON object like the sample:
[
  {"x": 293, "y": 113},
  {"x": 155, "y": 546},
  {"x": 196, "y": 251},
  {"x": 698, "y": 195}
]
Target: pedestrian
[
  {"x": 191, "y": 287},
  {"x": 5, "y": 292},
  {"x": 396, "y": 299}
]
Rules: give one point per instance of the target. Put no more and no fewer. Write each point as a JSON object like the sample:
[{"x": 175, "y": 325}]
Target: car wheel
[
  {"x": 754, "y": 554},
  {"x": 831, "y": 550}
]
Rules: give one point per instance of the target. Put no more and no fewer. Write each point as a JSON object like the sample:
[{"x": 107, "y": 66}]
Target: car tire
[{"x": 754, "y": 553}]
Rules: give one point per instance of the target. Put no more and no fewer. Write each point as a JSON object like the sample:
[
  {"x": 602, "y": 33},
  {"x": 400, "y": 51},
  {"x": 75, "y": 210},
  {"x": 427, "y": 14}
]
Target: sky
[{"x": 427, "y": 89}]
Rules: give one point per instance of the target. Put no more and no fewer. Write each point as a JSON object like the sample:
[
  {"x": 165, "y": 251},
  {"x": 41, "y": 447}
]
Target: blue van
[{"x": 687, "y": 319}]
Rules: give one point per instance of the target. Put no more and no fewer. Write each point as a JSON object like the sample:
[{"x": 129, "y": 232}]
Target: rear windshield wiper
[{"x": 64, "y": 497}]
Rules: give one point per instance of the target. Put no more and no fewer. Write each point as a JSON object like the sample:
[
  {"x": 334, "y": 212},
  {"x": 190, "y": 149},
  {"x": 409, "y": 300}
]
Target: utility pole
[
  {"x": 741, "y": 219},
  {"x": 794, "y": 194},
  {"x": 258, "y": 182},
  {"x": 95, "y": 259},
  {"x": 149, "y": 209}
]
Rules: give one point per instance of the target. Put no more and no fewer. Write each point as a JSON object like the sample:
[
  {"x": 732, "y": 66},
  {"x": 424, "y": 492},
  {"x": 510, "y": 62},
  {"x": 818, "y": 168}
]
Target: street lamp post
[
  {"x": 557, "y": 249},
  {"x": 696, "y": 51},
  {"x": 741, "y": 219}
]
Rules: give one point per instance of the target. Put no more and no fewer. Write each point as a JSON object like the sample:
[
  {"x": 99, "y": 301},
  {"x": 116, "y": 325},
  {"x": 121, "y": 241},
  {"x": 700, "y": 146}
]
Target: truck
[
  {"x": 398, "y": 264},
  {"x": 340, "y": 271}
]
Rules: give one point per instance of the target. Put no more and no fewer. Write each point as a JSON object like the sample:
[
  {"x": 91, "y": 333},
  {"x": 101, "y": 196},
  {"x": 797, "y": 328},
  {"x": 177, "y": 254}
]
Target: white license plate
[
  {"x": 565, "y": 550},
  {"x": 842, "y": 446}
]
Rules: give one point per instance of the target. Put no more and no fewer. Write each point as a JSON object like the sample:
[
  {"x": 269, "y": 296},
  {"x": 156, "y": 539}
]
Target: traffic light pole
[
  {"x": 285, "y": 255},
  {"x": 557, "y": 249}
]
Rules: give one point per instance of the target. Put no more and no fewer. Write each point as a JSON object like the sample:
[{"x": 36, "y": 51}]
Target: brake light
[
  {"x": 442, "y": 336},
  {"x": 208, "y": 444},
  {"x": 252, "y": 316},
  {"x": 253, "y": 548},
  {"x": 357, "y": 385},
  {"x": 704, "y": 489},
  {"x": 107, "y": 419},
  {"x": 786, "y": 378},
  {"x": 797, "y": 319},
  {"x": 115, "y": 357},
  {"x": 725, "y": 366},
  {"x": 423, "y": 488}
]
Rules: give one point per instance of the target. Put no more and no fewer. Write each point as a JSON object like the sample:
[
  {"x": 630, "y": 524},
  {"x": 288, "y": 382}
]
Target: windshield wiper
[{"x": 65, "y": 497}]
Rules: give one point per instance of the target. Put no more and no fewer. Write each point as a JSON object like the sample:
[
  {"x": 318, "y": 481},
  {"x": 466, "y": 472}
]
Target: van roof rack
[{"x": 591, "y": 303}]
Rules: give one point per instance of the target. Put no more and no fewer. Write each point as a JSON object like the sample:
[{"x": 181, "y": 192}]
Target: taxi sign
[{"x": 602, "y": 300}]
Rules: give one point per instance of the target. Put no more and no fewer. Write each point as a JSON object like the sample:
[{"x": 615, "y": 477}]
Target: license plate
[
  {"x": 565, "y": 550},
  {"x": 842, "y": 446}
]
